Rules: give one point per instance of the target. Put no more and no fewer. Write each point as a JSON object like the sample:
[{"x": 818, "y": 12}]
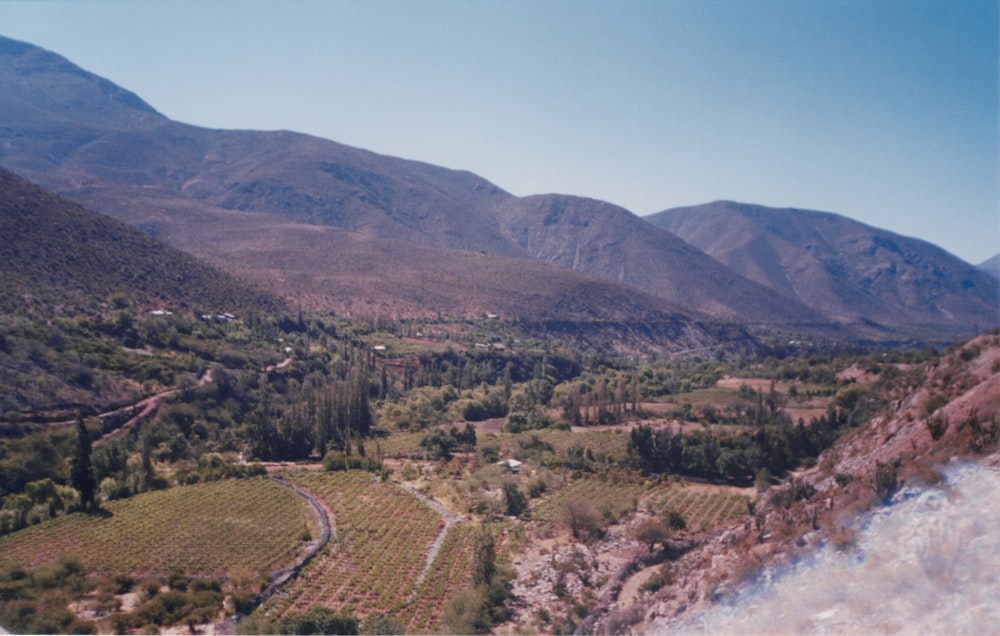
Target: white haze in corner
[{"x": 928, "y": 564}]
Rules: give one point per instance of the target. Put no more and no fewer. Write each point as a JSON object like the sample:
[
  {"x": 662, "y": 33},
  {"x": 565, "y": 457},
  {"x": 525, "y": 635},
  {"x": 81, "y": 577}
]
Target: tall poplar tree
[{"x": 81, "y": 476}]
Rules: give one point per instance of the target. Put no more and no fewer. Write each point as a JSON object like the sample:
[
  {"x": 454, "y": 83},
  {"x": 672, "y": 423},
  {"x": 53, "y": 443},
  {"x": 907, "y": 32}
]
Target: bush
[
  {"x": 937, "y": 425},
  {"x": 516, "y": 502},
  {"x": 335, "y": 461},
  {"x": 537, "y": 488},
  {"x": 675, "y": 520},
  {"x": 885, "y": 481},
  {"x": 317, "y": 620},
  {"x": 932, "y": 404}
]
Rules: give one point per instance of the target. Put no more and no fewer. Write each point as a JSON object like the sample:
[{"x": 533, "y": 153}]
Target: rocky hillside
[{"x": 943, "y": 414}]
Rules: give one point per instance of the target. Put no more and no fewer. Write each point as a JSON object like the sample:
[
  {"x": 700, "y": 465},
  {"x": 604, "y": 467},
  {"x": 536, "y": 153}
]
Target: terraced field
[
  {"x": 383, "y": 539},
  {"x": 203, "y": 529},
  {"x": 702, "y": 506}
]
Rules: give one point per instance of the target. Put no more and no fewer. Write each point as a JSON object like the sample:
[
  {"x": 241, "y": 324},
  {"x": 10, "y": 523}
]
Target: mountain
[
  {"x": 991, "y": 266},
  {"x": 57, "y": 255},
  {"x": 847, "y": 270},
  {"x": 123, "y": 158},
  {"x": 597, "y": 237}
]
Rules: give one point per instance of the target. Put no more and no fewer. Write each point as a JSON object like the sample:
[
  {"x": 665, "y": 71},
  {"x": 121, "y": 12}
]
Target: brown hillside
[
  {"x": 57, "y": 254},
  {"x": 114, "y": 161},
  {"x": 845, "y": 269},
  {"x": 599, "y": 238}
]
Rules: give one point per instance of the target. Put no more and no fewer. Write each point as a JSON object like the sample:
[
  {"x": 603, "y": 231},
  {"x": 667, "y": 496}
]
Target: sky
[{"x": 885, "y": 111}]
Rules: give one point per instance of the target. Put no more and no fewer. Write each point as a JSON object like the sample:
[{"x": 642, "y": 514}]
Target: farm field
[
  {"x": 377, "y": 559},
  {"x": 451, "y": 571},
  {"x": 202, "y": 529},
  {"x": 612, "y": 443},
  {"x": 703, "y": 506}
]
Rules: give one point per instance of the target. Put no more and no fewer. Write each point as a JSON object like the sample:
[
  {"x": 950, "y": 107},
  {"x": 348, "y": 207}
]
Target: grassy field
[{"x": 203, "y": 529}]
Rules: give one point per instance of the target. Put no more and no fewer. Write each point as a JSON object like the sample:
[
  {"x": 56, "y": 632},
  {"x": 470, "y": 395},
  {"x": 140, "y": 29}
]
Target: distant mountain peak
[
  {"x": 991, "y": 266},
  {"x": 68, "y": 88},
  {"x": 839, "y": 266}
]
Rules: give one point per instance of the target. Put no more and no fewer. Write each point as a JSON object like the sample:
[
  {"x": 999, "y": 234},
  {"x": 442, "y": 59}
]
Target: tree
[
  {"x": 82, "y": 477},
  {"x": 384, "y": 623},
  {"x": 516, "y": 502},
  {"x": 318, "y": 620},
  {"x": 486, "y": 557},
  {"x": 584, "y": 523},
  {"x": 440, "y": 443}
]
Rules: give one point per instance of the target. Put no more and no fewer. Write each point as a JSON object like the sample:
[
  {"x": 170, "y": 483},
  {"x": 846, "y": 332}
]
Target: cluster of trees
[
  {"x": 605, "y": 404},
  {"x": 776, "y": 446},
  {"x": 334, "y": 416},
  {"x": 443, "y": 443}
]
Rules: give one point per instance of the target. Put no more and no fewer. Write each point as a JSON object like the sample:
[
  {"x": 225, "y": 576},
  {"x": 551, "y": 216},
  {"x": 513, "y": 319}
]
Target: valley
[{"x": 260, "y": 382}]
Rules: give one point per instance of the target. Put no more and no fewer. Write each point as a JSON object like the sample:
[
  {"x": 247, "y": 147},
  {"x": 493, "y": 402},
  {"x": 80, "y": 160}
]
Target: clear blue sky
[{"x": 882, "y": 110}]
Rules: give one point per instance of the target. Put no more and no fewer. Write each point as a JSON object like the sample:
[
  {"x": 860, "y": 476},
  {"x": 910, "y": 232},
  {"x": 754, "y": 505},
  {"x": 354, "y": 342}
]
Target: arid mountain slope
[
  {"x": 113, "y": 160},
  {"x": 55, "y": 254},
  {"x": 845, "y": 269},
  {"x": 62, "y": 256},
  {"x": 597, "y": 237}
]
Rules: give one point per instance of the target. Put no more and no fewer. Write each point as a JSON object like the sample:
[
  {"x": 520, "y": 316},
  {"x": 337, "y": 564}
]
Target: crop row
[
  {"x": 702, "y": 509},
  {"x": 383, "y": 535},
  {"x": 205, "y": 528},
  {"x": 451, "y": 572}
]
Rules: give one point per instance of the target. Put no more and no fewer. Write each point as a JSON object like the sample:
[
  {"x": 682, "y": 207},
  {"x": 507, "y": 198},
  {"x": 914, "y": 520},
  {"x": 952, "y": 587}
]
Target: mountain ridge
[
  {"x": 300, "y": 179},
  {"x": 847, "y": 269}
]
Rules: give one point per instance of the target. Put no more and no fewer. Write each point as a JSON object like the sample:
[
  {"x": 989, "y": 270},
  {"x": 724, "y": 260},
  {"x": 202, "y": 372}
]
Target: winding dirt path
[
  {"x": 147, "y": 406},
  {"x": 327, "y": 532},
  {"x": 631, "y": 590},
  {"x": 450, "y": 519}
]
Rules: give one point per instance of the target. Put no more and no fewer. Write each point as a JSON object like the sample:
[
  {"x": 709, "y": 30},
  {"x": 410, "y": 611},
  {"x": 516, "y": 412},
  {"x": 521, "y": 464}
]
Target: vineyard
[
  {"x": 206, "y": 528},
  {"x": 601, "y": 495},
  {"x": 379, "y": 552},
  {"x": 703, "y": 507},
  {"x": 450, "y": 572}
]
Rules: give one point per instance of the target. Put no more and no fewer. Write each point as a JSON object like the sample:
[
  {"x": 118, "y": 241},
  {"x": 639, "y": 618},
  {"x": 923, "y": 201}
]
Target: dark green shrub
[
  {"x": 318, "y": 620},
  {"x": 931, "y": 404}
]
